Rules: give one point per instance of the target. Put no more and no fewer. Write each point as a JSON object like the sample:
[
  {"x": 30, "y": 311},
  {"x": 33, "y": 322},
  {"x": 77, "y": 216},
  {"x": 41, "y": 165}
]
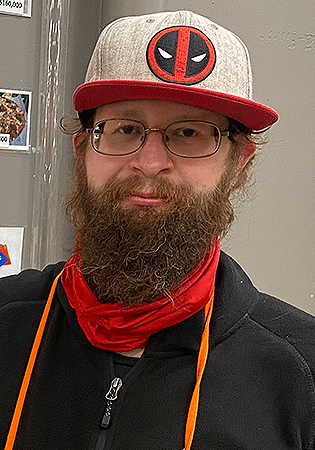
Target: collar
[
  {"x": 234, "y": 295},
  {"x": 117, "y": 327}
]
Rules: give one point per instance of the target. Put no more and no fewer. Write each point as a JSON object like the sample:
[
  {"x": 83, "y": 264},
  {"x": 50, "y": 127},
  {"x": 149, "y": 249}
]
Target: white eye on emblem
[
  {"x": 164, "y": 54},
  {"x": 199, "y": 58}
]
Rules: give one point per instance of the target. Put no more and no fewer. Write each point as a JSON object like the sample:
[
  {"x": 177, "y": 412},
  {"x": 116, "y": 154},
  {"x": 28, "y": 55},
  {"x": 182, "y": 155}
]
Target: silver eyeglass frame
[{"x": 163, "y": 131}]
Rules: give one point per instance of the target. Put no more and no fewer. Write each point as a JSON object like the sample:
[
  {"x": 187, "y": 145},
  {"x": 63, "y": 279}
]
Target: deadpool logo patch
[{"x": 181, "y": 55}]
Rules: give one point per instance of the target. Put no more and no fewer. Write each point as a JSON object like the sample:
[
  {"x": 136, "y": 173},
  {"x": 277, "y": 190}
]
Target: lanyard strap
[
  {"x": 201, "y": 364},
  {"x": 193, "y": 408},
  {"x": 29, "y": 369}
]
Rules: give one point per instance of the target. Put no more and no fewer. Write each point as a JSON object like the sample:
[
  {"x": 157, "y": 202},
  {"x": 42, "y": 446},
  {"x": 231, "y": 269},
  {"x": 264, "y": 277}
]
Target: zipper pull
[{"x": 111, "y": 396}]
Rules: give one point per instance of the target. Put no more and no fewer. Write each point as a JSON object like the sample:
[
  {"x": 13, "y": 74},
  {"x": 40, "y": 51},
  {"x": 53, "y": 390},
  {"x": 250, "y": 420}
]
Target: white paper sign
[
  {"x": 4, "y": 140},
  {"x": 12, "y": 6},
  {"x": 11, "y": 245}
]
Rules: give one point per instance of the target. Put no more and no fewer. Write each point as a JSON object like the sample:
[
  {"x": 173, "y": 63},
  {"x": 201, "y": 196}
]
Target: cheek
[
  {"x": 204, "y": 174},
  {"x": 99, "y": 168},
  {"x": 94, "y": 168}
]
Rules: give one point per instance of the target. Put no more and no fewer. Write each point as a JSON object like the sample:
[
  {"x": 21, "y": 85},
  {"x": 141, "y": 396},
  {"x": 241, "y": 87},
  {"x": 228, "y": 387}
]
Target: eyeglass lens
[{"x": 189, "y": 139}]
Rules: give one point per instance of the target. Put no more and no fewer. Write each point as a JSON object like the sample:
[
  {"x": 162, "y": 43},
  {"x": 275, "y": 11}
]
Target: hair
[
  {"x": 74, "y": 125},
  {"x": 240, "y": 137}
]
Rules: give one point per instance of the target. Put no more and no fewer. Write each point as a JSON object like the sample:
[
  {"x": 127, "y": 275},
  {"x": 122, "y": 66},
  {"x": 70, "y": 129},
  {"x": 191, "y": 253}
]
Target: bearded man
[{"x": 149, "y": 336}]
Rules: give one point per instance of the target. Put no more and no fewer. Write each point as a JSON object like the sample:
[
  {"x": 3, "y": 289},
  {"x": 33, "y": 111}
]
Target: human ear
[{"x": 248, "y": 149}]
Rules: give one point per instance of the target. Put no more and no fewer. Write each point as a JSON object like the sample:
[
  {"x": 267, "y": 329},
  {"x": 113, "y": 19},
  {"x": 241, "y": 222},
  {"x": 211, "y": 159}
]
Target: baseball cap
[{"x": 175, "y": 56}]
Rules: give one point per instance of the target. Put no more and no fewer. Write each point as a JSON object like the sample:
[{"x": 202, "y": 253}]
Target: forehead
[{"x": 158, "y": 112}]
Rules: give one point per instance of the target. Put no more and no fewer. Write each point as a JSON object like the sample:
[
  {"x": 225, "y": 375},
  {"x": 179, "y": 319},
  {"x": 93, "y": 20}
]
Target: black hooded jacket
[{"x": 257, "y": 390}]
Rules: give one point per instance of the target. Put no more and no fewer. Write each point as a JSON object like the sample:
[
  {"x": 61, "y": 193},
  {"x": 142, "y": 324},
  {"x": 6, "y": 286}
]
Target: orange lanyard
[
  {"x": 201, "y": 364},
  {"x": 29, "y": 369},
  {"x": 193, "y": 408}
]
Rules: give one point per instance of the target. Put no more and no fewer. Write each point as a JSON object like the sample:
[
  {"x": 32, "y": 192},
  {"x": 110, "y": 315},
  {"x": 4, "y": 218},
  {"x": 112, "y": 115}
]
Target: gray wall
[
  {"x": 273, "y": 237},
  {"x": 19, "y": 70}
]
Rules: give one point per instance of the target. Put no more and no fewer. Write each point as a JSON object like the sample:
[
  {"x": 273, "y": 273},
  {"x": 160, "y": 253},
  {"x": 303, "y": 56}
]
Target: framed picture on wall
[
  {"x": 15, "y": 107},
  {"x": 11, "y": 246},
  {"x": 16, "y": 7}
]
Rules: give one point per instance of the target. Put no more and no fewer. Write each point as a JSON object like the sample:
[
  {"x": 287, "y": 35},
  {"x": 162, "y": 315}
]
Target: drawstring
[{"x": 194, "y": 403}]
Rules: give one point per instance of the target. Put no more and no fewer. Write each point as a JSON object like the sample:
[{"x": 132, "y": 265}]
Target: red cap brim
[{"x": 97, "y": 93}]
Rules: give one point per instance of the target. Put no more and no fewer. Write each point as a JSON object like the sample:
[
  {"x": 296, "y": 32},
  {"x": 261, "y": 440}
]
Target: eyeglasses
[{"x": 188, "y": 139}]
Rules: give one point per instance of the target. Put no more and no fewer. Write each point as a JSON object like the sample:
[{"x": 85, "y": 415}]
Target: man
[{"x": 124, "y": 356}]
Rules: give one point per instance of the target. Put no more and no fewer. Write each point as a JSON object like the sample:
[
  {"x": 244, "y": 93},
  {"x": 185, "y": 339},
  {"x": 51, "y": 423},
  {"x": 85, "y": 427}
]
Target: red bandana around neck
[{"x": 122, "y": 328}]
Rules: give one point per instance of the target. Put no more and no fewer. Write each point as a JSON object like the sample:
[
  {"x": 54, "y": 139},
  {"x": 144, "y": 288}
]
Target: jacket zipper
[{"x": 110, "y": 397}]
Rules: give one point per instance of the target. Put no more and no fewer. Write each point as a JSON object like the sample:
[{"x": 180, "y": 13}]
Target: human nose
[{"x": 153, "y": 157}]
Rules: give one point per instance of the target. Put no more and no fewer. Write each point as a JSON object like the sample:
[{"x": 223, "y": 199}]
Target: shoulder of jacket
[
  {"x": 29, "y": 285},
  {"x": 292, "y": 326},
  {"x": 286, "y": 322},
  {"x": 278, "y": 316},
  {"x": 283, "y": 319}
]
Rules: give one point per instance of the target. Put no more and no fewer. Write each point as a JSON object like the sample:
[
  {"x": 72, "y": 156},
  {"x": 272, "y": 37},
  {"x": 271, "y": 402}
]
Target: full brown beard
[{"x": 132, "y": 255}]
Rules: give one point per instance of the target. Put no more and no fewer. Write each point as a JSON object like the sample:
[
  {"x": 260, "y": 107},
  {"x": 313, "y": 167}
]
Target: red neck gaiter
[{"x": 122, "y": 328}]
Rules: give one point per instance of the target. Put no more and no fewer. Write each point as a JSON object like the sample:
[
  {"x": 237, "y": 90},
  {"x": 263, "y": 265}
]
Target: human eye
[
  {"x": 185, "y": 131},
  {"x": 129, "y": 128}
]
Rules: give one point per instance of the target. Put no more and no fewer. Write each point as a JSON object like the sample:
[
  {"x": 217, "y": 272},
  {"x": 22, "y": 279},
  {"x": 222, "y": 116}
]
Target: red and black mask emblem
[{"x": 181, "y": 55}]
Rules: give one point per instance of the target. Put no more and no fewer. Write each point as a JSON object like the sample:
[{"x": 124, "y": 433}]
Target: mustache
[{"x": 116, "y": 191}]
